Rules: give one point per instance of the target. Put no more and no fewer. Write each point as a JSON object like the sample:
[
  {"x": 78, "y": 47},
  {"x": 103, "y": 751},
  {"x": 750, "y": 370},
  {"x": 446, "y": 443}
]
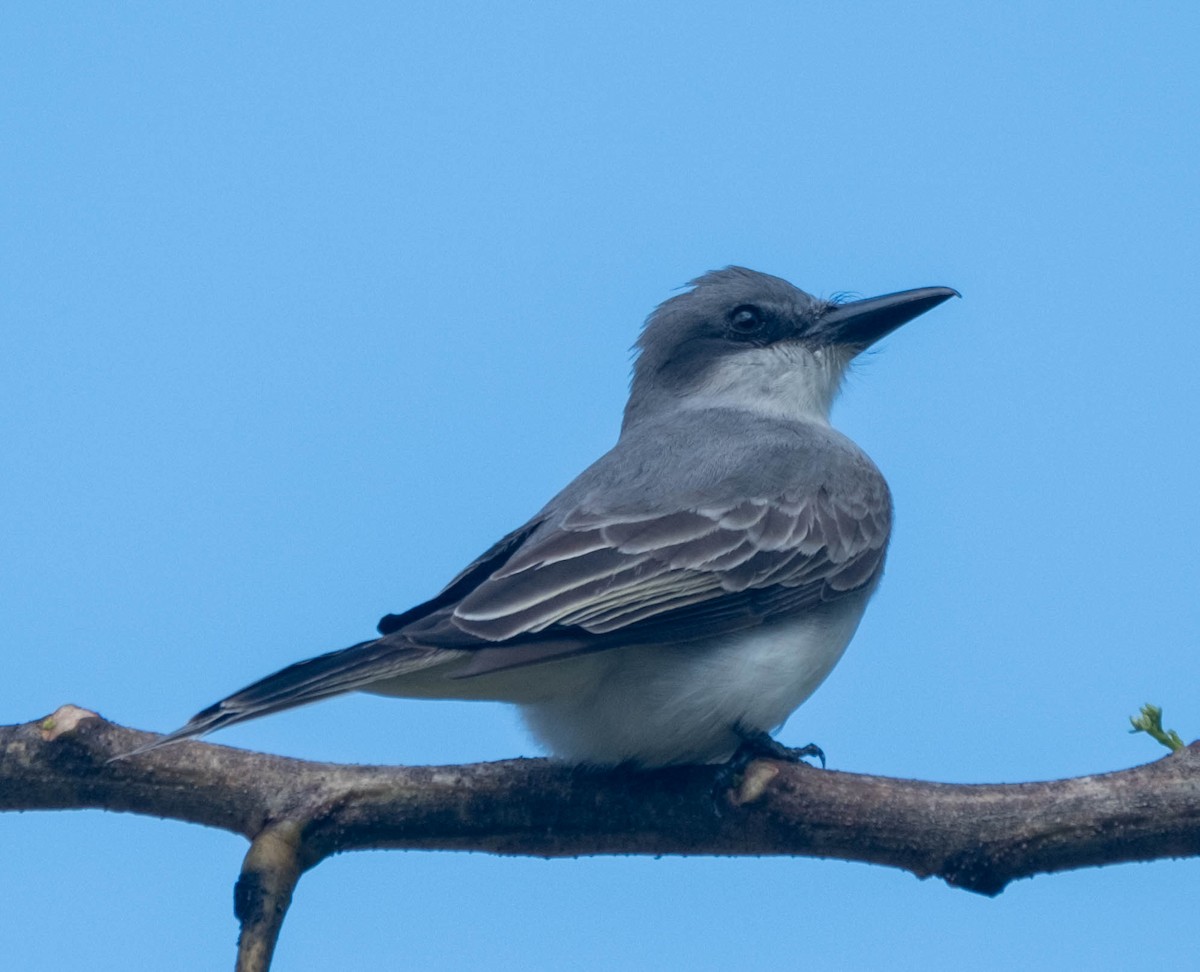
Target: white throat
[{"x": 785, "y": 381}]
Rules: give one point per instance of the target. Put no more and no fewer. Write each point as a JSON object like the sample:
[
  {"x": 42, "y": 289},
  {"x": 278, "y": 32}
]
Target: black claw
[{"x": 757, "y": 744}]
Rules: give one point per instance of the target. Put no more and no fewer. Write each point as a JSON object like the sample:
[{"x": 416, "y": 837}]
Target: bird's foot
[{"x": 755, "y": 744}]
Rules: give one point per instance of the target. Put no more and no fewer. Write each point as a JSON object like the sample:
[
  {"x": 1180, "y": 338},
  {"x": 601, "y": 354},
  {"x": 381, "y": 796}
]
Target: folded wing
[{"x": 600, "y": 579}]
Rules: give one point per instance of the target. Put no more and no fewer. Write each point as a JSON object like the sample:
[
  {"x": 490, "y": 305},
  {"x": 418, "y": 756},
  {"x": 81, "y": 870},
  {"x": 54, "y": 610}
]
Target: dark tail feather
[{"x": 307, "y": 681}]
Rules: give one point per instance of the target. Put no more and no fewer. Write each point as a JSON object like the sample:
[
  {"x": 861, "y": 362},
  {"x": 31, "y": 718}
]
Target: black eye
[{"x": 746, "y": 319}]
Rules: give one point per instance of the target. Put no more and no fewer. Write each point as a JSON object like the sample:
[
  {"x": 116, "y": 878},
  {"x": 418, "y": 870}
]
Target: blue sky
[{"x": 303, "y": 306}]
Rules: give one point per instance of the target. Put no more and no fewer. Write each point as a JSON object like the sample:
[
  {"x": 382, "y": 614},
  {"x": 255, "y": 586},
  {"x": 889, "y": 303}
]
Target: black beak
[{"x": 861, "y": 323}]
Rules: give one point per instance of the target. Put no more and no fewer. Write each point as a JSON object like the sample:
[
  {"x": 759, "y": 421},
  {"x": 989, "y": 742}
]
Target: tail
[{"x": 307, "y": 681}]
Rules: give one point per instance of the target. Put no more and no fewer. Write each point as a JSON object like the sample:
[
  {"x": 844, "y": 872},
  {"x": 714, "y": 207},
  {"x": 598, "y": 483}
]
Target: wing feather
[
  {"x": 648, "y": 536},
  {"x": 604, "y": 573},
  {"x": 532, "y": 589}
]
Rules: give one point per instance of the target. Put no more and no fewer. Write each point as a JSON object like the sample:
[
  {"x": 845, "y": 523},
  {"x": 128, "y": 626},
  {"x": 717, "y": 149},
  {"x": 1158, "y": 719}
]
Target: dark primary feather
[
  {"x": 308, "y": 681},
  {"x": 466, "y": 580}
]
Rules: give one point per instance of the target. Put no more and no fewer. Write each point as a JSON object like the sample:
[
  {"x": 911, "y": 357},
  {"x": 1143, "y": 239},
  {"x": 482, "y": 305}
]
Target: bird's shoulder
[{"x": 708, "y": 458}]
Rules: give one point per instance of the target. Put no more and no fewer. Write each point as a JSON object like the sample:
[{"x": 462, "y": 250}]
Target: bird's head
[{"x": 747, "y": 340}]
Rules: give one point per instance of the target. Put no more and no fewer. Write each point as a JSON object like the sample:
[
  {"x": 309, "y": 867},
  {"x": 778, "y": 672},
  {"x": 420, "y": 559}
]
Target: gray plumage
[{"x": 696, "y": 582}]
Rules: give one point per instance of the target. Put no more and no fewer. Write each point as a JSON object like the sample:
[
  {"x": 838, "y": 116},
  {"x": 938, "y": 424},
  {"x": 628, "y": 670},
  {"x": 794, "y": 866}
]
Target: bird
[{"x": 684, "y": 594}]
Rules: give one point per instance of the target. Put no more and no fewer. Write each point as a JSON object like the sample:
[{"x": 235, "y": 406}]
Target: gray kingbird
[{"x": 686, "y": 592}]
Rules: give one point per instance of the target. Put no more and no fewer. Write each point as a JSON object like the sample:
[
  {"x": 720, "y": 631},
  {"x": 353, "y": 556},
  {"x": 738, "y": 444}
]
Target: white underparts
[{"x": 680, "y": 703}]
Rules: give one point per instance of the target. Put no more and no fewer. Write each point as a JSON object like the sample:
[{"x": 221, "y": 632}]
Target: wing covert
[{"x": 734, "y": 564}]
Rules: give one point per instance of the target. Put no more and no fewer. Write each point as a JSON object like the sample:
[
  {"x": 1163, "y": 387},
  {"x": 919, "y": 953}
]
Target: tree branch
[
  {"x": 264, "y": 891},
  {"x": 296, "y": 813}
]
